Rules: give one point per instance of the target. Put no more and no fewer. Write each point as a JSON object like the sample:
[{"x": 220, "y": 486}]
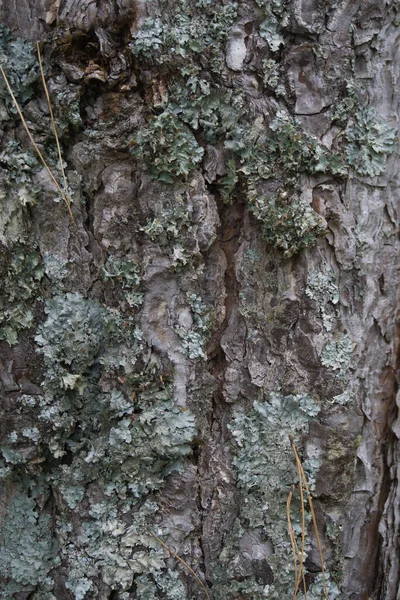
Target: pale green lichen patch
[
  {"x": 20, "y": 166},
  {"x": 27, "y": 548},
  {"x": 182, "y": 36},
  {"x": 336, "y": 354},
  {"x": 371, "y": 139},
  {"x": 70, "y": 339},
  {"x": 109, "y": 449},
  {"x": 118, "y": 553},
  {"x": 255, "y": 149},
  {"x": 321, "y": 287},
  {"x": 265, "y": 469},
  {"x": 290, "y": 224},
  {"x": 19, "y": 292},
  {"x": 55, "y": 268},
  {"x": 168, "y": 147},
  {"x": 127, "y": 274},
  {"x": 195, "y": 337},
  {"x": 17, "y": 57}
]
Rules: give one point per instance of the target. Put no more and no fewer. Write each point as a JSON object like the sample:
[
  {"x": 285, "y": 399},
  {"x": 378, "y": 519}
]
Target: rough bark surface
[{"x": 231, "y": 279}]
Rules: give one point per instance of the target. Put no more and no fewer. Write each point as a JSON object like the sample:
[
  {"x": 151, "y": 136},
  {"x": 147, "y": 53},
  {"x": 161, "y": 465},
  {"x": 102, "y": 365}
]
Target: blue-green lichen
[
  {"x": 321, "y": 287},
  {"x": 168, "y": 147},
  {"x": 288, "y": 223},
  {"x": 336, "y": 354},
  {"x": 265, "y": 469},
  {"x": 179, "y": 38},
  {"x": 195, "y": 337},
  {"x": 107, "y": 451},
  {"x": 370, "y": 140},
  {"x": 19, "y": 292},
  {"x": 127, "y": 273},
  {"x": 17, "y": 57},
  {"x": 20, "y": 166},
  {"x": 27, "y": 550}
]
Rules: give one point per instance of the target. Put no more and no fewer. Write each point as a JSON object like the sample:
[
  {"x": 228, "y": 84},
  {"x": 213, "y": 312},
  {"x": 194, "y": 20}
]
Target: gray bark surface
[{"x": 156, "y": 355}]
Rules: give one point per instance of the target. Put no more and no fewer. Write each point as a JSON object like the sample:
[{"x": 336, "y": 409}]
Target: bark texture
[{"x": 231, "y": 279}]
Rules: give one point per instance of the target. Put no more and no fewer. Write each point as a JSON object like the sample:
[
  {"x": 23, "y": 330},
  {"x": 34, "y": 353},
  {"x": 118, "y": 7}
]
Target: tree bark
[{"x": 228, "y": 283}]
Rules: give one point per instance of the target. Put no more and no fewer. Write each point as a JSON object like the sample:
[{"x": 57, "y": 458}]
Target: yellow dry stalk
[
  {"x": 303, "y": 482},
  {"x": 297, "y": 560},
  {"x": 164, "y": 545},
  {"x": 64, "y": 193}
]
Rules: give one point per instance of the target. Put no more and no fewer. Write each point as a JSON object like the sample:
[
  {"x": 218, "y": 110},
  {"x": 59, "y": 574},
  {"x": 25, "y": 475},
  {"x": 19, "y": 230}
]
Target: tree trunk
[{"x": 222, "y": 296}]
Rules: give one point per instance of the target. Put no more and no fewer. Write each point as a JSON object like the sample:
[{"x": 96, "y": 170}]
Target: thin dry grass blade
[
  {"x": 292, "y": 536},
  {"x": 300, "y": 575},
  {"x": 314, "y": 520},
  {"x": 164, "y": 545},
  {"x": 52, "y": 121},
  {"x": 38, "y": 152}
]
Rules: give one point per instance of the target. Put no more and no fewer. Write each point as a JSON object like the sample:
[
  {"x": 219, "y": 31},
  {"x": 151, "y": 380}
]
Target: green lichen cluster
[
  {"x": 20, "y": 291},
  {"x": 20, "y": 166},
  {"x": 198, "y": 106},
  {"x": 18, "y": 59},
  {"x": 271, "y": 76},
  {"x": 321, "y": 287},
  {"x": 182, "y": 36},
  {"x": 127, "y": 274},
  {"x": 28, "y": 551},
  {"x": 290, "y": 224},
  {"x": 104, "y": 450},
  {"x": 265, "y": 469},
  {"x": 336, "y": 354},
  {"x": 169, "y": 223},
  {"x": 195, "y": 338},
  {"x": 172, "y": 226},
  {"x": 370, "y": 140},
  {"x": 168, "y": 147},
  {"x": 114, "y": 546}
]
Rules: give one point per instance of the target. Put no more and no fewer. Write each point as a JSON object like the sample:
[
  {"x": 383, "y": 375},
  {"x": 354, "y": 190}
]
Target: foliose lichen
[
  {"x": 17, "y": 57},
  {"x": 265, "y": 470},
  {"x": 289, "y": 224},
  {"x": 19, "y": 293},
  {"x": 336, "y": 354},
  {"x": 27, "y": 549},
  {"x": 168, "y": 147},
  {"x": 120, "y": 445},
  {"x": 128, "y": 275},
  {"x": 255, "y": 149},
  {"x": 370, "y": 140},
  {"x": 21, "y": 166},
  {"x": 321, "y": 287},
  {"x": 195, "y": 337}
]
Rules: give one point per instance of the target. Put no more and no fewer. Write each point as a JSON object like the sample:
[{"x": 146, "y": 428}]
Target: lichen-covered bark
[{"x": 230, "y": 280}]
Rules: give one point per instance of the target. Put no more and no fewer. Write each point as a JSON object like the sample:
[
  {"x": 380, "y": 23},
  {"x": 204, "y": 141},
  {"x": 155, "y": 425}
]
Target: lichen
[
  {"x": 17, "y": 57},
  {"x": 180, "y": 36},
  {"x": 55, "y": 268},
  {"x": 265, "y": 470},
  {"x": 371, "y": 139},
  {"x": 27, "y": 550},
  {"x": 321, "y": 287},
  {"x": 195, "y": 337},
  {"x": 20, "y": 291},
  {"x": 69, "y": 339},
  {"x": 118, "y": 554},
  {"x": 123, "y": 445},
  {"x": 20, "y": 166},
  {"x": 168, "y": 147},
  {"x": 290, "y": 224},
  {"x": 127, "y": 273},
  {"x": 255, "y": 149},
  {"x": 336, "y": 354}
]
